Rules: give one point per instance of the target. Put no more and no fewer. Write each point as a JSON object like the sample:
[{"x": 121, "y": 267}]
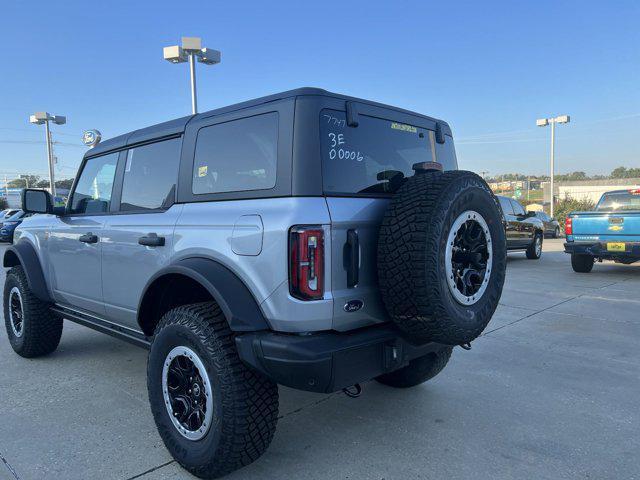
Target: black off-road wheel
[
  {"x": 418, "y": 371},
  {"x": 534, "y": 251},
  {"x": 213, "y": 413},
  {"x": 33, "y": 329},
  {"x": 582, "y": 263},
  {"x": 442, "y": 256}
]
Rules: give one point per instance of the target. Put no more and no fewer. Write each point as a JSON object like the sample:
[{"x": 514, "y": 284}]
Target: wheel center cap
[{"x": 196, "y": 390}]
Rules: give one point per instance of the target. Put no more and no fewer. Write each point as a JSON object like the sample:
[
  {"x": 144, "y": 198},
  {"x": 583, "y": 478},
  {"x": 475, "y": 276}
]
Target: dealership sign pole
[{"x": 543, "y": 122}]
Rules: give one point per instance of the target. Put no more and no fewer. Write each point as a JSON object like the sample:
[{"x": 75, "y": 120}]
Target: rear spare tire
[{"x": 442, "y": 256}]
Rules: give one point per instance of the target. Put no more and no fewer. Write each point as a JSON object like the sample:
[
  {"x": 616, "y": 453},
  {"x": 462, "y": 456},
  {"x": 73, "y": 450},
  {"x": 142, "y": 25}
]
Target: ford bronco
[{"x": 306, "y": 239}]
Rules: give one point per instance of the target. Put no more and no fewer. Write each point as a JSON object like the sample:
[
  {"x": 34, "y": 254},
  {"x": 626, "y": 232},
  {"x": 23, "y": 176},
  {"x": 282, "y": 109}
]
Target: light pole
[
  {"x": 39, "y": 118},
  {"x": 543, "y": 122},
  {"x": 190, "y": 51}
]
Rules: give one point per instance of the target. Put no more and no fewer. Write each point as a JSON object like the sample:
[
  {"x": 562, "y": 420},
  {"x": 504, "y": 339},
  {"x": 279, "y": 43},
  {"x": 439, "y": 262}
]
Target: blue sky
[{"x": 488, "y": 68}]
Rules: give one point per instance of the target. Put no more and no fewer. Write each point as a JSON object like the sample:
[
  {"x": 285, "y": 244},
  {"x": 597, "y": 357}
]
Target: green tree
[
  {"x": 23, "y": 180},
  {"x": 619, "y": 172},
  {"x": 568, "y": 205},
  {"x": 66, "y": 183}
]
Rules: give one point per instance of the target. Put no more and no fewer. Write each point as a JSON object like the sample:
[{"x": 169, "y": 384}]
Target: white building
[{"x": 588, "y": 189}]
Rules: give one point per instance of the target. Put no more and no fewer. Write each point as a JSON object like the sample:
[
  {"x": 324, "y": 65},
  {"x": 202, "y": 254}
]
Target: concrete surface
[{"x": 550, "y": 391}]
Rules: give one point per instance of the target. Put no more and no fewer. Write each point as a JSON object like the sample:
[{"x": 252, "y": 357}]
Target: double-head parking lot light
[
  {"x": 543, "y": 122},
  {"x": 189, "y": 51},
  {"x": 40, "y": 118}
]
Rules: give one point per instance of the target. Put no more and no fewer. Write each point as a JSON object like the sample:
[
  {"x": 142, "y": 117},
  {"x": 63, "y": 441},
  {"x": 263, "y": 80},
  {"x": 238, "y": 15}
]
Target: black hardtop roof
[{"x": 177, "y": 125}]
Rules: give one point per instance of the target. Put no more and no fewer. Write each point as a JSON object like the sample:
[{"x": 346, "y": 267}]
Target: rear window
[
  {"x": 619, "y": 201},
  {"x": 373, "y": 157}
]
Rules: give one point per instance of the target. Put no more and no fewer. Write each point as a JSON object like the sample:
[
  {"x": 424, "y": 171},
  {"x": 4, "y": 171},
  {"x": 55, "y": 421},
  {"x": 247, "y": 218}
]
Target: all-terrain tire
[
  {"x": 534, "y": 251},
  {"x": 35, "y": 330},
  {"x": 581, "y": 263},
  {"x": 245, "y": 404},
  {"x": 411, "y": 256},
  {"x": 418, "y": 371}
]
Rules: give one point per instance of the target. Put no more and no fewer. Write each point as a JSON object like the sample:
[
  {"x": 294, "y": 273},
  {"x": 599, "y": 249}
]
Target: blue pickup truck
[{"x": 610, "y": 232}]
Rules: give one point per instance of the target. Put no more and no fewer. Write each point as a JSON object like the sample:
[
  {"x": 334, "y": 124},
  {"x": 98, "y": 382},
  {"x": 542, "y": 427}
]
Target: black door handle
[
  {"x": 352, "y": 258},
  {"x": 151, "y": 240},
  {"x": 88, "y": 238}
]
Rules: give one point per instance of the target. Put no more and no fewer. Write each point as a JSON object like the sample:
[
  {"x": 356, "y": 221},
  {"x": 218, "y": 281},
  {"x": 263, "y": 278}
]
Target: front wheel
[
  {"x": 582, "y": 263},
  {"x": 418, "y": 371},
  {"x": 534, "y": 252},
  {"x": 213, "y": 414},
  {"x": 33, "y": 329}
]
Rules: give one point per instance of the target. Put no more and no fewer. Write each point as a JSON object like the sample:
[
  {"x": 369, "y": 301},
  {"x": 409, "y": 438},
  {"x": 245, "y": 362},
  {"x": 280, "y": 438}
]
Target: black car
[
  {"x": 551, "y": 225},
  {"x": 524, "y": 230},
  {"x": 9, "y": 225}
]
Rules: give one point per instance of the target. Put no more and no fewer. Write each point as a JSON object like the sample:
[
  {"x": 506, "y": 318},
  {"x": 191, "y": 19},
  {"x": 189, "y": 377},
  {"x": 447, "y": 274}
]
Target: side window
[
  {"x": 237, "y": 156},
  {"x": 93, "y": 190},
  {"x": 517, "y": 208},
  {"x": 446, "y": 154},
  {"x": 150, "y": 176},
  {"x": 507, "y": 209}
]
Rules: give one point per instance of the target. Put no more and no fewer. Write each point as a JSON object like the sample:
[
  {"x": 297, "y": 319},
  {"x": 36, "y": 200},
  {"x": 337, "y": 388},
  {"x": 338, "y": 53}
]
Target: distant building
[{"x": 588, "y": 189}]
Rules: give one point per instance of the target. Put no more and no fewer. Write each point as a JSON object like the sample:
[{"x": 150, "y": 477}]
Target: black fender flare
[
  {"x": 234, "y": 298},
  {"x": 24, "y": 254}
]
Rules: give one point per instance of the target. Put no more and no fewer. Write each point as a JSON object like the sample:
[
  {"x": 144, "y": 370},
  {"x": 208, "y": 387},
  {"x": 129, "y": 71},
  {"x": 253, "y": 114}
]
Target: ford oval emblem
[
  {"x": 91, "y": 138},
  {"x": 353, "y": 305}
]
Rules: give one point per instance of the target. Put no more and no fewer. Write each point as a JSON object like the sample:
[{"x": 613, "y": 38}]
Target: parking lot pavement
[{"x": 550, "y": 391}]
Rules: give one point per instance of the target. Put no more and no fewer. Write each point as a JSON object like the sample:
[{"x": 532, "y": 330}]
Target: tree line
[
  {"x": 34, "y": 181},
  {"x": 619, "y": 172}
]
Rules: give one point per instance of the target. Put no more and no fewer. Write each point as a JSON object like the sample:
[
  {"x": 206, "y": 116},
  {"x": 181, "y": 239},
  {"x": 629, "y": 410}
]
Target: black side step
[{"x": 104, "y": 326}]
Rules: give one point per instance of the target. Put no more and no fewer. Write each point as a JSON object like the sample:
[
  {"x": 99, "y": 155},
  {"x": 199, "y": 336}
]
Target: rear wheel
[
  {"x": 418, "y": 371},
  {"x": 582, "y": 263},
  {"x": 213, "y": 413},
  {"x": 32, "y": 327},
  {"x": 534, "y": 251}
]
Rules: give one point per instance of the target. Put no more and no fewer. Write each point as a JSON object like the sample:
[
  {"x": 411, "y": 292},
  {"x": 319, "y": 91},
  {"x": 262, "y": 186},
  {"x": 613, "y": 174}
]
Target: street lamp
[
  {"x": 543, "y": 122},
  {"x": 190, "y": 50},
  {"x": 40, "y": 118}
]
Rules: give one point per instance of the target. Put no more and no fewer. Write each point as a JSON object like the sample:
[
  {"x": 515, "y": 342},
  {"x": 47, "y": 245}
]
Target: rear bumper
[
  {"x": 599, "y": 249},
  {"x": 329, "y": 361}
]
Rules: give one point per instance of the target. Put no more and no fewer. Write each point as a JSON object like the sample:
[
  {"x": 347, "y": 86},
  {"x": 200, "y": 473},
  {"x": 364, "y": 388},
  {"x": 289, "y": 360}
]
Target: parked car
[
  {"x": 9, "y": 225},
  {"x": 524, "y": 230},
  {"x": 610, "y": 232},
  {"x": 295, "y": 239},
  {"x": 5, "y": 214},
  {"x": 551, "y": 225}
]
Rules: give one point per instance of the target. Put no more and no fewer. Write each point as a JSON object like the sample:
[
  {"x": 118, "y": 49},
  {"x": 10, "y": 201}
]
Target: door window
[
  {"x": 517, "y": 208},
  {"x": 507, "y": 209},
  {"x": 237, "y": 156},
  {"x": 93, "y": 190},
  {"x": 150, "y": 175}
]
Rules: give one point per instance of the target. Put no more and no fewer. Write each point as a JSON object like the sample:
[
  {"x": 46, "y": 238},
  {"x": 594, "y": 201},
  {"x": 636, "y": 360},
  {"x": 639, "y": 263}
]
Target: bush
[{"x": 568, "y": 205}]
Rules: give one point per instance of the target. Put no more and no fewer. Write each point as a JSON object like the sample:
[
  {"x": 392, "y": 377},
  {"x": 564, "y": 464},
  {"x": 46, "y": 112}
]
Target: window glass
[
  {"x": 375, "y": 156},
  {"x": 446, "y": 154},
  {"x": 507, "y": 209},
  {"x": 93, "y": 190},
  {"x": 150, "y": 175},
  {"x": 517, "y": 208},
  {"x": 619, "y": 201},
  {"x": 237, "y": 156}
]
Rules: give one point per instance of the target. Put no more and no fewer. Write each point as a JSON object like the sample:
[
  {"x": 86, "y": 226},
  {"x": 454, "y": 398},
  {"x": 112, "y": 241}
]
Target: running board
[{"x": 103, "y": 326}]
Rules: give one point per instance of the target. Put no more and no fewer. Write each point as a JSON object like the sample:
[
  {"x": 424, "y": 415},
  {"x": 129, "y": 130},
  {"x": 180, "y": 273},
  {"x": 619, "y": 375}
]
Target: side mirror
[
  {"x": 531, "y": 214},
  {"x": 36, "y": 201}
]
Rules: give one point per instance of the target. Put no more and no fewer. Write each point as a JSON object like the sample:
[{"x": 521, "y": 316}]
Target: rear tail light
[
  {"x": 306, "y": 262},
  {"x": 568, "y": 226},
  {"x": 635, "y": 191}
]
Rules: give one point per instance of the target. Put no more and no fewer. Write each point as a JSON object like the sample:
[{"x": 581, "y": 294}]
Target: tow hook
[
  {"x": 354, "y": 391},
  {"x": 466, "y": 346}
]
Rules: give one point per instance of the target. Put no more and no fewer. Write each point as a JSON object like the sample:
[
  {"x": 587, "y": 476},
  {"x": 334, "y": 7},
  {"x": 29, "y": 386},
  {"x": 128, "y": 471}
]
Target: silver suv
[{"x": 306, "y": 239}]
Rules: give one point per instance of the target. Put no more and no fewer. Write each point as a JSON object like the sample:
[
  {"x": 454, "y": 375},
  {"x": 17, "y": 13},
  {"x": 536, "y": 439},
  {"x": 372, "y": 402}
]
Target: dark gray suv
[{"x": 306, "y": 239}]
